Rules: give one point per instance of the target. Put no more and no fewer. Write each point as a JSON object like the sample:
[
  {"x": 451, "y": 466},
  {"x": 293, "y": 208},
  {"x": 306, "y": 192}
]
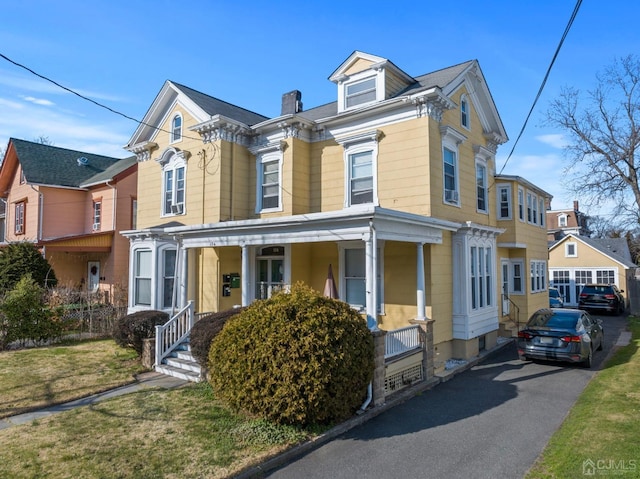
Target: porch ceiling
[{"x": 344, "y": 225}]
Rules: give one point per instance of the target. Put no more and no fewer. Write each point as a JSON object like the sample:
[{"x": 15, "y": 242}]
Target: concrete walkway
[{"x": 150, "y": 380}]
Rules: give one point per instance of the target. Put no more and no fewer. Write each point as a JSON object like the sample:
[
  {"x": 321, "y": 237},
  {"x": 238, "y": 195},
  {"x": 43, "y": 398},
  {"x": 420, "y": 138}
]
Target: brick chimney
[
  {"x": 291, "y": 103},
  {"x": 575, "y": 205}
]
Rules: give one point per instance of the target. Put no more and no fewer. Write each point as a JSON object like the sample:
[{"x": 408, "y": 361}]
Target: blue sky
[{"x": 250, "y": 53}]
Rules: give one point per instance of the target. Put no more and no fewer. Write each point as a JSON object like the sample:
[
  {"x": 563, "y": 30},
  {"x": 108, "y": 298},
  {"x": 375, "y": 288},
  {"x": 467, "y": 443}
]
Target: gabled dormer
[{"x": 365, "y": 79}]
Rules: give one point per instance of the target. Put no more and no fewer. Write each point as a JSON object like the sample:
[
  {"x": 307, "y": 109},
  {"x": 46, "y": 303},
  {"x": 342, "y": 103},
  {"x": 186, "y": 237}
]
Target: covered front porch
[{"x": 377, "y": 257}]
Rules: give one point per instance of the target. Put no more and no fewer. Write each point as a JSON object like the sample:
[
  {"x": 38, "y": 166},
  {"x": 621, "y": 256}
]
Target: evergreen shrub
[
  {"x": 24, "y": 315},
  {"x": 203, "y": 332},
  {"x": 130, "y": 330},
  {"x": 297, "y": 358}
]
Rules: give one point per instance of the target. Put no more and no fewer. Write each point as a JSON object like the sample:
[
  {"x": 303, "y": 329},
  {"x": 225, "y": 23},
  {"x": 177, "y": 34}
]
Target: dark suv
[{"x": 602, "y": 297}]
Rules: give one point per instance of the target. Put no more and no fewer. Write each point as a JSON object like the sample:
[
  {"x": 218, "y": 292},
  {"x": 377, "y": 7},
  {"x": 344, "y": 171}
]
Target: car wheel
[{"x": 588, "y": 362}]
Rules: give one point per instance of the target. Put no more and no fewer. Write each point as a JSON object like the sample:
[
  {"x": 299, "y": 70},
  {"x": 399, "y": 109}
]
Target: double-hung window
[
  {"x": 504, "y": 202},
  {"x": 451, "y": 181},
  {"x": 174, "y": 172},
  {"x": 270, "y": 177},
  {"x": 481, "y": 187},
  {"x": 360, "y": 92},
  {"x": 353, "y": 277},
  {"x": 481, "y": 269},
  {"x": 97, "y": 215},
  {"x": 520, "y": 204},
  {"x": 176, "y": 128},
  {"x": 142, "y": 278},
  {"x": 464, "y": 112},
  {"x": 450, "y": 176},
  {"x": 538, "y": 276},
  {"x": 361, "y": 177},
  {"x": 19, "y": 219}
]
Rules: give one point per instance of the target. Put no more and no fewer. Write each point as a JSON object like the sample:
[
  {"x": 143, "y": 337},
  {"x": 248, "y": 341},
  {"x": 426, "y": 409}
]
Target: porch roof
[
  {"x": 354, "y": 223},
  {"x": 84, "y": 243}
]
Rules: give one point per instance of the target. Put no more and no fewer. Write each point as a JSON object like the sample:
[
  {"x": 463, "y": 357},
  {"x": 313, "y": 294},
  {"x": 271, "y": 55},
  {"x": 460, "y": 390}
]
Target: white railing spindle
[
  {"x": 401, "y": 340},
  {"x": 173, "y": 332}
]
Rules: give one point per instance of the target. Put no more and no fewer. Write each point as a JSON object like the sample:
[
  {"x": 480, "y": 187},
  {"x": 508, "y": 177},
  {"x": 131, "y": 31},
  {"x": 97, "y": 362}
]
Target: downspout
[{"x": 374, "y": 240}]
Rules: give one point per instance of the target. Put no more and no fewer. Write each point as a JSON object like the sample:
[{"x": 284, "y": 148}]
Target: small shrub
[
  {"x": 130, "y": 330},
  {"x": 25, "y": 315},
  {"x": 297, "y": 358},
  {"x": 205, "y": 330}
]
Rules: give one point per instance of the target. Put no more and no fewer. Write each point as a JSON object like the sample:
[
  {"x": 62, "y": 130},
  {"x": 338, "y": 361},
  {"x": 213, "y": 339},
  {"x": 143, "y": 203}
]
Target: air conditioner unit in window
[
  {"x": 451, "y": 196},
  {"x": 176, "y": 209},
  {"x": 96, "y": 226}
]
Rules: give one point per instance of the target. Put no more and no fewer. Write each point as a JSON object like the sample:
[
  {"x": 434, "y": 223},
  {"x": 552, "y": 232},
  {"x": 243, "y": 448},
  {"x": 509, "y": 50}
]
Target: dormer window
[
  {"x": 176, "y": 129},
  {"x": 360, "y": 92},
  {"x": 562, "y": 221}
]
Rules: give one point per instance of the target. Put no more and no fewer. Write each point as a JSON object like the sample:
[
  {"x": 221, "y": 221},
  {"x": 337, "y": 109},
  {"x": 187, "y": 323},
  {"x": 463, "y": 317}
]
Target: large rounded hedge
[{"x": 297, "y": 358}]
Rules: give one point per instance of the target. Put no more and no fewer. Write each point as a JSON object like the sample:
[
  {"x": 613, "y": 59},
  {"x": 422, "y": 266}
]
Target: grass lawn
[
  {"x": 179, "y": 433},
  {"x": 601, "y": 435},
  {"x": 39, "y": 377}
]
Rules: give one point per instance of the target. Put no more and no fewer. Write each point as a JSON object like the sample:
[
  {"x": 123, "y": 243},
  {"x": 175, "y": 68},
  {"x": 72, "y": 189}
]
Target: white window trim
[
  {"x": 360, "y": 143},
  {"x": 346, "y": 81},
  {"x": 134, "y": 277},
  {"x": 97, "y": 215},
  {"x": 172, "y": 160},
  {"x": 451, "y": 139},
  {"x": 522, "y": 213},
  {"x": 501, "y": 187},
  {"x": 260, "y": 162},
  {"x": 523, "y": 277},
  {"x": 483, "y": 164},
  {"x": 172, "y": 138},
  {"x": 161, "y": 276},
  {"x": 342, "y": 282},
  {"x": 537, "y": 276},
  {"x": 567, "y": 246},
  {"x": 464, "y": 100},
  {"x": 562, "y": 220},
  {"x": 486, "y": 298},
  {"x": 542, "y": 212}
]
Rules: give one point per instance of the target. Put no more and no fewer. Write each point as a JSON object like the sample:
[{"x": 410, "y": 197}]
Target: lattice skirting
[{"x": 403, "y": 373}]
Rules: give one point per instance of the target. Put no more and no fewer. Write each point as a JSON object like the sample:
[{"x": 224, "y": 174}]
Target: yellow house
[
  {"x": 392, "y": 186},
  {"x": 576, "y": 260}
]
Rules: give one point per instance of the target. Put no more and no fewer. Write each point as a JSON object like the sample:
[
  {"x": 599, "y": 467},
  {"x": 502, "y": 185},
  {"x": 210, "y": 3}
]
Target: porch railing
[
  {"x": 173, "y": 332},
  {"x": 401, "y": 340}
]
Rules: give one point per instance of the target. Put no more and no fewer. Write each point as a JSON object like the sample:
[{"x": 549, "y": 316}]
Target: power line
[
  {"x": 544, "y": 81},
  {"x": 86, "y": 98}
]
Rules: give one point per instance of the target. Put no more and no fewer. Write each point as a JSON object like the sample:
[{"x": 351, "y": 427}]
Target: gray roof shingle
[
  {"x": 213, "y": 106},
  {"x": 55, "y": 166}
]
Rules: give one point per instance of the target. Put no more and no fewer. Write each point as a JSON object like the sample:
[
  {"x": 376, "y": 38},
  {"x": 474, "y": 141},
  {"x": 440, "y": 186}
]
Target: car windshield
[
  {"x": 554, "y": 293},
  {"x": 554, "y": 320}
]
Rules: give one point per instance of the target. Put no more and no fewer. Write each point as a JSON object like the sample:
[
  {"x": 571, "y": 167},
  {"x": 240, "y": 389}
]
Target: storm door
[{"x": 269, "y": 271}]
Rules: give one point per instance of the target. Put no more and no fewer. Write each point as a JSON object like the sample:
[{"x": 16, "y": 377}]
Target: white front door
[{"x": 93, "y": 275}]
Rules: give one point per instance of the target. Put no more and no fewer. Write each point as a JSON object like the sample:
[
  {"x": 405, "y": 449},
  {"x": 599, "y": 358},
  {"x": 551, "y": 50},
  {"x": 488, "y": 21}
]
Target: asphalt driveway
[{"x": 491, "y": 421}]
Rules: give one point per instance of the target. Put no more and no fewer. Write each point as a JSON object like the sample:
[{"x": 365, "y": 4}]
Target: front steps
[{"x": 181, "y": 364}]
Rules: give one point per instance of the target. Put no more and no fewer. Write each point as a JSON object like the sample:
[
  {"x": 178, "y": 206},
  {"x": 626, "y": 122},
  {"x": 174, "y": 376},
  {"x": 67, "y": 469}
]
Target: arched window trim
[{"x": 176, "y": 128}]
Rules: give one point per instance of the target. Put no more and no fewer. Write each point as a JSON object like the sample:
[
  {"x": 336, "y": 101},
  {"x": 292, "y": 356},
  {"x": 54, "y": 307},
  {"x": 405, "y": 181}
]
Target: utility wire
[
  {"x": 544, "y": 81},
  {"x": 87, "y": 98}
]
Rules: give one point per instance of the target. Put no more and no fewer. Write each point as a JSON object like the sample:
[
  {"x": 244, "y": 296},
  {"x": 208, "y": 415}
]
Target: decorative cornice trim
[
  {"x": 279, "y": 145},
  {"x": 143, "y": 150},
  {"x": 169, "y": 153},
  {"x": 219, "y": 128},
  {"x": 349, "y": 139},
  {"x": 452, "y": 134}
]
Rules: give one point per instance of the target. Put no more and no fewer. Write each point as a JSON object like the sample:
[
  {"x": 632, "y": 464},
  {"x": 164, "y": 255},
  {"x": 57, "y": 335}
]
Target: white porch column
[
  {"x": 184, "y": 266},
  {"x": 245, "y": 275},
  {"x": 420, "y": 291},
  {"x": 371, "y": 272}
]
